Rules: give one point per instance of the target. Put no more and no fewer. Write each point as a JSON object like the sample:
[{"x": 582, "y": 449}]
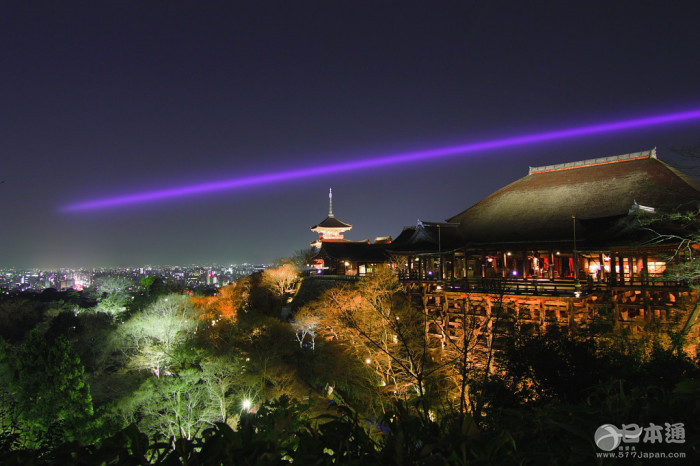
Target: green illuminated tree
[
  {"x": 147, "y": 283},
  {"x": 50, "y": 387},
  {"x": 225, "y": 385},
  {"x": 153, "y": 335},
  {"x": 113, "y": 285},
  {"x": 18, "y": 316},
  {"x": 8, "y": 405},
  {"x": 174, "y": 406},
  {"x": 113, "y": 295}
]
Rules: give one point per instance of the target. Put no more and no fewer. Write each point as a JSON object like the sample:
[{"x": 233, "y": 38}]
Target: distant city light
[{"x": 395, "y": 159}]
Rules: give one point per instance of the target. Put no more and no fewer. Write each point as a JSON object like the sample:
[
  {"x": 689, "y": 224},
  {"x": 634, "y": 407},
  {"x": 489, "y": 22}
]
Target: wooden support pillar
[
  {"x": 624, "y": 278},
  {"x": 543, "y": 316},
  {"x": 621, "y": 265},
  {"x": 489, "y": 326},
  {"x": 645, "y": 269},
  {"x": 632, "y": 261},
  {"x": 551, "y": 264},
  {"x": 648, "y": 313},
  {"x": 425, "y": 290},
  {"x": 571, "y": 320},
  {"x": 613, "y": 271},
  {"x": 560, "y": 266},
  {"x": 527, "y": 268},
  {"x": 445, "y": 321}
]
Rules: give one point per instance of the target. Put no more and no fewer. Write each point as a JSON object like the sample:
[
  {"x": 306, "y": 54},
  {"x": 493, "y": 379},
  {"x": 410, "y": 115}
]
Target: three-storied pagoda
[
  {"x": 331, "y": 228},
  {"x": 340, "y": 256}
]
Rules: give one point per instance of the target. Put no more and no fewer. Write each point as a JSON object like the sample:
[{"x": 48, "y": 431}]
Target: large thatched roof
[{"x": 538, "y": 208}]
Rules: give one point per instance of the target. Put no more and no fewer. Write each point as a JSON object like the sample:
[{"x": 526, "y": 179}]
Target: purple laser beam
[{"x": 152, "y": 196}]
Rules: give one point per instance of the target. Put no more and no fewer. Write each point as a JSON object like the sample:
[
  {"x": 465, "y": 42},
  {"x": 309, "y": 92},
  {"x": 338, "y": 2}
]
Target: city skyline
[
  {"x": 193, "y": 277},
  {"x": 103, "y": 100}
]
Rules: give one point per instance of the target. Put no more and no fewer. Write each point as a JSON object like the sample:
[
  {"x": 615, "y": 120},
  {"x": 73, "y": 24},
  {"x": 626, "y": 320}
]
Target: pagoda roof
[
  {"x": 332, "y": 222},
  {"x": 538, "y": 208}
]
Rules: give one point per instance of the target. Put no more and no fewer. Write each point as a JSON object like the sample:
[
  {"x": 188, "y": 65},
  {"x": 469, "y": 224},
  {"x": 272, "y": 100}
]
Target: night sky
[{"x": 104, "y": 98}]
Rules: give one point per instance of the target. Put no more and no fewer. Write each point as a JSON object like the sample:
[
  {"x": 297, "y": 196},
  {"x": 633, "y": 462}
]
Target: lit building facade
[{"x": 579, "y": 222}]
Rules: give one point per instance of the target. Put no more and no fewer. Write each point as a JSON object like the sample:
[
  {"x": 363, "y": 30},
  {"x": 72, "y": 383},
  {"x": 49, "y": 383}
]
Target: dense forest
[{"x": 278, "y": 368}]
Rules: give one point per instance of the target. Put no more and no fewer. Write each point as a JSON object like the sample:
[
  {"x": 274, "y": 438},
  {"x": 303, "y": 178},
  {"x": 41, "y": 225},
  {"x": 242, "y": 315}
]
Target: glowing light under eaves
[{"x": 362, "y": 164}]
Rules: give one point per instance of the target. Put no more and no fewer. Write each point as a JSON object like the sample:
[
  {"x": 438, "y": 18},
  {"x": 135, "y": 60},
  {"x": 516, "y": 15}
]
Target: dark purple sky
[{"x": 113, "y": 97}]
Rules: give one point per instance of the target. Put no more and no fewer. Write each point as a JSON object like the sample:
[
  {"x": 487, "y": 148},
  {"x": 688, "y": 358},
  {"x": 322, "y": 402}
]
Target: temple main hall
[{"x": 564, "y": 242}]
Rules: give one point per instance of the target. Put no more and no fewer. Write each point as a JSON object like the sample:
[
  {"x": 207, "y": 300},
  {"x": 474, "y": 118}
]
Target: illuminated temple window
[
  {"x": 594, "y": 267},
  {"x": 657, "y": 267}
]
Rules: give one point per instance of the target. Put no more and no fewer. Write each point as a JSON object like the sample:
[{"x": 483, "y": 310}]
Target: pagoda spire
[{"x": 330, "y": 202}]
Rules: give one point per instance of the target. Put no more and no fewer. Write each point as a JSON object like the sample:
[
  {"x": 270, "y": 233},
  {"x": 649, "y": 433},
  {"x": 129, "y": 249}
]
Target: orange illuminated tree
[
  {"x": 374, "y": 321},
  {"x": 226, "y": 304},
  {"x": 281, "y": 280}
]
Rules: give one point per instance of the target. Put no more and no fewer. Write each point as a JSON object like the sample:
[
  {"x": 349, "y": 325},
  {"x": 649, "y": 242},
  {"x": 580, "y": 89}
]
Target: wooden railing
[
  {"x": 561, "y": 287},
  {"x": 537, "y": 286},
  {"x": 323, "y": 276},
  {"x": 519, "y": 286}
]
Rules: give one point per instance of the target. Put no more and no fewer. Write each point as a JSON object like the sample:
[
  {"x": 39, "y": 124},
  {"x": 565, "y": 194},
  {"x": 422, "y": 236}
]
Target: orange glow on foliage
[{"x": 224, "y": 305}]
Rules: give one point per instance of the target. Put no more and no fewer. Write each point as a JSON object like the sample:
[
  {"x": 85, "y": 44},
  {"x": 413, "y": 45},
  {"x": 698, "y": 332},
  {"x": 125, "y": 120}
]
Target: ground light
[
  {"x": 376, "y": 162},
  {"x": 247, "y": 404}
]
